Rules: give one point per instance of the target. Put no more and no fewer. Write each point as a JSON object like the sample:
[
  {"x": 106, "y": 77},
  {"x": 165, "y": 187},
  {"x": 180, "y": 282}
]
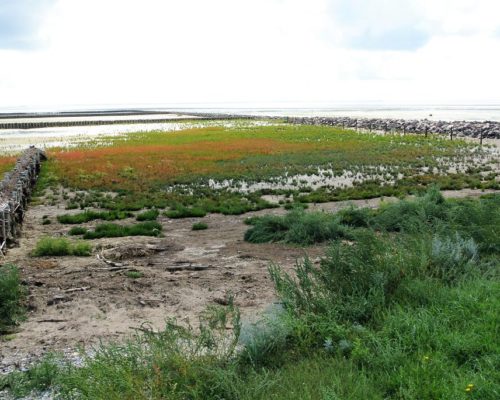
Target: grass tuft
[
  {"x": 77, "y": 230},
  {"x": 297, "y": 227},
  {"x": 185, "y": 212},
  {"x": 92, "y": 215},
  {"x": 49, "y": 246},
  {"x": 199, "y": 226},
  {"x": 148, "y": 228},
  {"x": 149, "y": 215},
  {"x": 11, "y": 296}
]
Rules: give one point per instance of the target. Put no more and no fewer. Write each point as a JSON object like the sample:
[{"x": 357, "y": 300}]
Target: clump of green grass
[
  {"x": 38, "y": 378},
  {"x": 93, "y": 215},
  {"x": 356, "y": 217},
  {"x": 292, "y": 206},
  {"x": 149, "y": 215},
  {"x": 134, "y": 274},
  {"x": 412, "y": 215},
  {"x": 297, "y": 227},
  {"x": 49, "y": 246},
  {"x": 199, "y": 226},
  {"x": 148, "y": 228},
  {"x": 11, "y": 296},
  {"x": 77, "y": 230},
  {"x": 185, "y": 212}
]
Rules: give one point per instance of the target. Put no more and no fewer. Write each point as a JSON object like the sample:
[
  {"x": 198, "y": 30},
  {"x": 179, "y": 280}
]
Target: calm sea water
[
  {"x": 445, "y": 113},
  {"x": 431, "y": 112}
]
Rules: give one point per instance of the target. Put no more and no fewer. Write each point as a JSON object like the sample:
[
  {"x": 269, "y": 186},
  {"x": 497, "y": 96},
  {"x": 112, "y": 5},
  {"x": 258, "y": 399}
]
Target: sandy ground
[{"x": 80, "y": 301}]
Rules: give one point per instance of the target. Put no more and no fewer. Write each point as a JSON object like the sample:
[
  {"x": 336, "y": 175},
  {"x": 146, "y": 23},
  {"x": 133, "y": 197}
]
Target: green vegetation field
[{"x": 212, "y": 169}]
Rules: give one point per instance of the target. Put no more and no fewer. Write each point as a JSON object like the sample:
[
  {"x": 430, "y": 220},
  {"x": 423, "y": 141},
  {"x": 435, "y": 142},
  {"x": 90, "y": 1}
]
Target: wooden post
[
  {"x": 451, "y": 133},
  {"x": 426, "y": 130},
  {"x": 481, "y": 137}
]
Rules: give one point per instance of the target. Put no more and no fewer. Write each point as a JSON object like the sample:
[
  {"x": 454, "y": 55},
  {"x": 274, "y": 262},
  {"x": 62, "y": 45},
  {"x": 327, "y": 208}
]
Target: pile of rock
[
  {"x": 475, "y": 129},
  {"x": 15, "y": 191}
]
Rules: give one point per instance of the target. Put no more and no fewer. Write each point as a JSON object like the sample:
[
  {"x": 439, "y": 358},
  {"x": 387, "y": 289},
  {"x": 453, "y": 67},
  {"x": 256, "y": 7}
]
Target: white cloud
[{"x": 171, "y": 52}]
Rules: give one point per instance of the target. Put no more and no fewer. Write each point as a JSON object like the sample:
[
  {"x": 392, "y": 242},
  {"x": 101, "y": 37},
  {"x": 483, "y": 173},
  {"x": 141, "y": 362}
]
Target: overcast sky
[{"x": 248, "y": 52}]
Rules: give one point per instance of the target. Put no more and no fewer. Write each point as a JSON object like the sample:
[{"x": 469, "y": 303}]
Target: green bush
[
  {"x": 356, "y": 217},
  {"x": 48, "y": 246},
  {"x": 292, "y": 206},
  {"x": 351, "y": 284},
  {"x": 149, "y": 215},
  {"x": 134, "y": 274},
  {"x": 297, "y": 227},
  {"x": 11, "y": 295},
  {"x": 199, "y": 226},
  {"x": 185, "y": 212},
  {"x": 412, "y": 215},
  {"x": 93, "y": 215},
  {"x": 148, "y": 228},
  {"x": 452, "y": 258},
  {"x": 77, "y": 230}
]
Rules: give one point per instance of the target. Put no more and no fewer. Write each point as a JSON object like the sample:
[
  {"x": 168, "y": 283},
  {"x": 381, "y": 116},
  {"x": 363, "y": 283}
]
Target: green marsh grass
[
  {"x": 297, "y": 227},
  {"x": 50, "y": 246},
  {"x": 148, "y": 215},
  {"x": 175, "y": 170},
  {"x": 77, "y": 230},
  {"x": 147, "y": 228},
  {"x": 199, "y": 226},
  {"x": 92, "y": 215},
  {"x": 11, "y": 295}
]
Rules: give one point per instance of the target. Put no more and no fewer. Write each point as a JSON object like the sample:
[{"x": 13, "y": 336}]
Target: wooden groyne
[
  {"x": 54, "y": 124},
  {"x": 15, "y": 190},
  {"x": 474, "y": 129}
]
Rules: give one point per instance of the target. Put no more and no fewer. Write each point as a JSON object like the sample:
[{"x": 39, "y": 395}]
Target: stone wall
[
  {"x": 15, "y": 190},
  {"x": 474, "y": 129}
]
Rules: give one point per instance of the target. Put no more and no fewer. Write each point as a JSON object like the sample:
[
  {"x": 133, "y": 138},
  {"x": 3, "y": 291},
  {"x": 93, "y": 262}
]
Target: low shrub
[
  {"x": 292, "y": 206},
  {"x": 148, "y": 228},
  {"x": 415, "y": 215},
  {"x": 134, "y": 274},
  {"x": 453, "y": 258},
  {"x": 297, "y": 227},
  {"x": 149, "y": 215},
  {"x": 185, "y": 212},
  {"x": 352, "y": 283},
  {"x": 93, "y": 215},
  {"x": 199, "y": 226},
  {"x": 49, "y": 246},
  {"x": 11, "y": 295},
  {"x": 77, "y": 230},
  {"x": 356, "y": 217}
]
